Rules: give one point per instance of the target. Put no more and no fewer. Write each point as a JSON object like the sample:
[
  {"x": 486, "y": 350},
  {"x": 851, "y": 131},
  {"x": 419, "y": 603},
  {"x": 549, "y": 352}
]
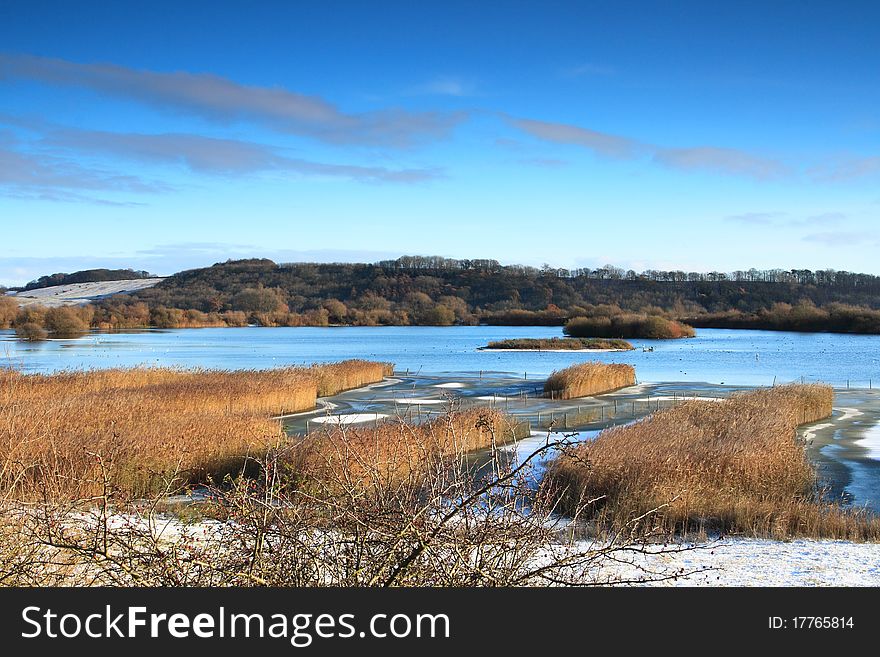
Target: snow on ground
[
  {"x": 80, "y": 293},
  {"x": 451, "y": 384},
  {"x": 349, "y": 418},
  {"x": 764, "y": 562}
]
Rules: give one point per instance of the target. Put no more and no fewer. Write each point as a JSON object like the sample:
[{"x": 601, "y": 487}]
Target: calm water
[{"x": 714, "y": 356}]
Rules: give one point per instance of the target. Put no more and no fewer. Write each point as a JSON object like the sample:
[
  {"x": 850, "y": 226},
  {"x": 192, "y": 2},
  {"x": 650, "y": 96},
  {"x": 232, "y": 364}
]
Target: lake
[{"x": 714, "y": 356}]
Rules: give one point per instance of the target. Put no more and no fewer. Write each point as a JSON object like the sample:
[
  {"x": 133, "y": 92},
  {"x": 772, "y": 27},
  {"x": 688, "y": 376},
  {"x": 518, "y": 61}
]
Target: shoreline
[{"x": 560, "y": 351}]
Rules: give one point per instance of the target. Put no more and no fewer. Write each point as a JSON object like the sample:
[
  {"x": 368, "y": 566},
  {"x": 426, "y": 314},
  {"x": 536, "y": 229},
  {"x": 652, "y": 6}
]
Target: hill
[
  {"x": 87, "y": 276},
  {"x": 437, "y": 290}
]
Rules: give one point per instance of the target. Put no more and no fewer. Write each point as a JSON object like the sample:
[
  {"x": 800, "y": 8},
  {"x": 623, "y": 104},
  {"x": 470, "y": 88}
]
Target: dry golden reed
[
  {"x": 396, "y": 450},
  {"x": 730, "y": 466},
  {"x": 145, "y": 425},
  {"x": 592, "y": 378}
]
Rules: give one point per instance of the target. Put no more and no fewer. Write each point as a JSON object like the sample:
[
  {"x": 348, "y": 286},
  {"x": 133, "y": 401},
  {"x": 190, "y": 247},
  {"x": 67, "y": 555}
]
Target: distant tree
[
  {"x": 437, "y": 316},
  {"x": 65, "y": 322},
  {"x": 259, "y": 300},
  {"x": 8, "y": 311},
  {"x": 31, "y": 332}
]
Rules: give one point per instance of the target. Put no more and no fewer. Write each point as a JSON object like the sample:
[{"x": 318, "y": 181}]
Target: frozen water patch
[
  {"x": 631, "y": 390},
  {"x": 810, "y": 432},
  {"x": 349, "y": 418},
  {"x": 451, "y": 384},
  {"x": 870, "y": 442},
  {"x": 410, "y": 400},
  {"x": 680, "y": 398},
  {"x": 848, "y": 413}
]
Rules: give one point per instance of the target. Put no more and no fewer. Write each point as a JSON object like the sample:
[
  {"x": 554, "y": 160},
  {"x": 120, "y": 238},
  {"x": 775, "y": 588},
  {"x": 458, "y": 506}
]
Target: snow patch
[{"x": 349, "y": 418}]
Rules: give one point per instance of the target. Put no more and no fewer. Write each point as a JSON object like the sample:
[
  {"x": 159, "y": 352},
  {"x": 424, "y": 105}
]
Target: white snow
[
  {"x": 451, "y": 384},
  {"x": 81, "y": 293},
  {"x": 348, "y": 418},
  {"x": 764, "y": 562},
  {"x": 410, "y": 400}
]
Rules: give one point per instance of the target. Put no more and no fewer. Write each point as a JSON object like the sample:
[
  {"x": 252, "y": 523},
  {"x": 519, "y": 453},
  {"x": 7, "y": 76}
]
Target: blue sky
[{"x": 674, "y": 135}]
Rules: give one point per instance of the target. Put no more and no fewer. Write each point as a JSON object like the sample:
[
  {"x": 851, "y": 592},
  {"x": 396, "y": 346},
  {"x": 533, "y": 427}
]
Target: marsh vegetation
[
  {"x": 586, "y": 379},
  {"x": 566, "y": 344},
  {"x": 732, "y": 466}
]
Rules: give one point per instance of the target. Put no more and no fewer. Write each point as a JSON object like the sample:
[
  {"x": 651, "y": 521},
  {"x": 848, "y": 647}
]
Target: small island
[{"x": 558, "y": 344}]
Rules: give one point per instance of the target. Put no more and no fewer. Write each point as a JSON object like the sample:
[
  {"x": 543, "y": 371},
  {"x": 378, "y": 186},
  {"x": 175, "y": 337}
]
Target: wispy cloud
[
  {"x": 220, "y": 99},
  {"x": 29, "y": 175},
  {"x": 601, "y": 143},
  {"x": 720, "y": 160},
  {"x": 210, "y": 155},
  {"x": 847, "y": 168},
  {"x": 844, "y": 238},
  {"x": 728, "y": 161},
  {"x": 823, "y": 219},
  {"x": 445, "y": 86}
]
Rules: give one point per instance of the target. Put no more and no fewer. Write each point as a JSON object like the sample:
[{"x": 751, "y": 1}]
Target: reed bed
[
  {"x": 148, "y": 429},
  {"x": 347, "y": 375},
  {"x": 733, "y": 467},
  {"x": 552, "y": 344},
  {"x": 396, "y": 450},
  {"x": 593, "y": 378}
]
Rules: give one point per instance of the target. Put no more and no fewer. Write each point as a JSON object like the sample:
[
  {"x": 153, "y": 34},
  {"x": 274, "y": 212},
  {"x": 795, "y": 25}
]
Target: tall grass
[
  {"x": 149, "y": 424},
  {"x": 347, "y": 375},
  {"x": 396, "y": 450},
  {"x": 651, "y": 327},
  {"x": 592, "y": 378},
  {"x": 730, "y": 466}
]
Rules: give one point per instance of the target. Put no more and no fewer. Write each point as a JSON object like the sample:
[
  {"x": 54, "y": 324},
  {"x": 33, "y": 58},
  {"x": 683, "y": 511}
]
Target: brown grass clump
[
  {"x": 730, "y": 466},
  {"x": 592, "y": 378},
  {"x": 148, "y": 425}
]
